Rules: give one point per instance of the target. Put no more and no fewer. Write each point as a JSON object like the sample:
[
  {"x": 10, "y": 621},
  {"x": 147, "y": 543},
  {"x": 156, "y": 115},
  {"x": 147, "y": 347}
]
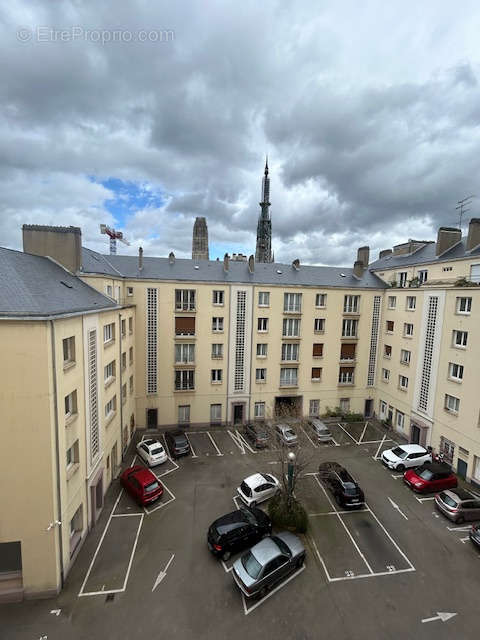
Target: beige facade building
[{"x": 89, "y": 352}]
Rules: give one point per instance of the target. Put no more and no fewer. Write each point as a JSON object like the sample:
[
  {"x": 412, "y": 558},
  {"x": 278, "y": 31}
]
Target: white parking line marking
[
  {"x": 163, "y": 504},
  {"x": 335, "y": 513},
  {"x": 219, "y": 453},
  {"x": 463, "y": 540},
  {"x": 350, "y": 436},
  {"x": 237, "y": 441},
  {"x": 245, "y": 443},
  {"x": 363, "y": 433},
  {"x": 270, "y": 593},
  {"x": 133, "y": 553},
  {"x": 459, "y": 528},
  {"x": 424, "y": 499},
  {"x": 335, "y": 442},
  {"x": 372, "y": 575},
  {"x": 315, "y": 445},
  {"x": 393, "y": 542},
  {"x": 235, "y": 500},
  {"x": 169, "y": 470},
  {"x": 126, "y": 515},
  {"x": 320, "y": 558},
  {"x": 194, "y": 455},
  {"x": 396, "y": 476}
]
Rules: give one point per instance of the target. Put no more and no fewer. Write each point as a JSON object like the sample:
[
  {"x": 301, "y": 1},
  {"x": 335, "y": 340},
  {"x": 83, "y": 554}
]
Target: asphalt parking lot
[{"x": 383, "y": 571}]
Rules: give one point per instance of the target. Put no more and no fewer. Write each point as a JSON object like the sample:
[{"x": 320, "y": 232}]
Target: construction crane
[{"x": 114, "y": 236}]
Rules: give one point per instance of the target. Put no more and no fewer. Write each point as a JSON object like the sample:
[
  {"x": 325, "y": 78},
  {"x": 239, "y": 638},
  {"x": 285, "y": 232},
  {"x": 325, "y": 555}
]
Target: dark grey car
[
  {"x": 458, "y": 505},
  {"x": 267, "y": 563}
]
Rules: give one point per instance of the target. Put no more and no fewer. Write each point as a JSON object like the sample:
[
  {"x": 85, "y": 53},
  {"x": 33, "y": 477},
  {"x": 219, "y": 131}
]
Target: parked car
[
  {"x": 267, "y": 563},
  {"x": 475, "y": 535},
  {"x": 406, "y": 456},
  {"x": 151, "y": 452},
  {"x": 258, "y": 488},
  {"x": 321, "y": 430},
  {"x": 257, "y": 434},
  {"x": 237, "y": 531},
  {"x": 286, "y": 435},
  {"x": 458, "y": 505},
  {"x": 177, "y": 443},
  {"x": 141, "y": 484},
  {"x": 345, "y": 489},
  {"x": 430, "y": 477}
]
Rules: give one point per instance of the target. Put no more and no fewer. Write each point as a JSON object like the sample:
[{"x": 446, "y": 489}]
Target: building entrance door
[
  {"x": 462, "y": 468},
  {"x": 152, "y": 418},
  {"x": 415, "y": 436},
  {"x": 237, "y": 413},
  {"x": 368, "y": 408}
]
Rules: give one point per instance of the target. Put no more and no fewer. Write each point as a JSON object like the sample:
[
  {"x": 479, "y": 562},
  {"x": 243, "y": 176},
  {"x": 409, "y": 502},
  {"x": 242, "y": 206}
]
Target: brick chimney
[
  {"x": 363, "y": 256},
  {"x": 251, "y": 264},
  {"x": 63, "y": 244},
  {"x": 446, "y": 238},
  {"x": 473, "y": 238},
  {"x": 384, "y": 253},
  {"x": 226, "y": 262},
  {"x": 358, "y": 268}
]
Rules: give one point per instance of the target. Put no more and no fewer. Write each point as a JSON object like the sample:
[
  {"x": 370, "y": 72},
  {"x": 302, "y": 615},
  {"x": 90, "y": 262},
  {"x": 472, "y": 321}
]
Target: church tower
[
  {"x": 263, "y": 251},
  {"x": 200, "y": 240}
]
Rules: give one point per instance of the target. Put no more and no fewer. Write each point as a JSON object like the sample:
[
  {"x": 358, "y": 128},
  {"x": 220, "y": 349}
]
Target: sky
[{"x": 143, "y": 115}]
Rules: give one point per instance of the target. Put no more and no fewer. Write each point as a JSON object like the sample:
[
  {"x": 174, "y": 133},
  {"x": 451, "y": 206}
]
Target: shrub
[
  {"x": 287, "y": 513},
  {"x": 353, "y": 417}
]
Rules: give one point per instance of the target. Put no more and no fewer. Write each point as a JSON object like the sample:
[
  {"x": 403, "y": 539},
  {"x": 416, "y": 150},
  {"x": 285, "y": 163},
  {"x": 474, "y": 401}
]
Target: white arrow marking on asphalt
[
  {"x": 55, "y": 611},
  {"x": 440, "y": 616},
  {"x": 395, "y": 506},
  {"x": 163, "y": 573}
]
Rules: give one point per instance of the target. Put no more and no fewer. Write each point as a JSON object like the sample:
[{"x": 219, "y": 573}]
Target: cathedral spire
[{"x": 263, "y": 252}]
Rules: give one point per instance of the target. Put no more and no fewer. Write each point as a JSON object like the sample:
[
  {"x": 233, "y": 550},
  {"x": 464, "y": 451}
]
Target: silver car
[
  {"x": 458, "y": 505},
  {"x": 286, "y": 435},
  {"x": 267, "y": 563},
  {"x": 321, "y": 430}
]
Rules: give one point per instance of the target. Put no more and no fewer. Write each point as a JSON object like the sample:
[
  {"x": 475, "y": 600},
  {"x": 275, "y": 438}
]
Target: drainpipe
[
  {"x": 121, "y": 378},
  {"x": 228, "y": 350},
  {"x": 57, "y": 452},
  {"x": 254, "y": 290}
]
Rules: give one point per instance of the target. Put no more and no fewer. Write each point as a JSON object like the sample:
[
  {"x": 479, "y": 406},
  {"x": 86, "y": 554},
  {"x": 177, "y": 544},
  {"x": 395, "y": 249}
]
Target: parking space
[{"x": 203, "y": 443}]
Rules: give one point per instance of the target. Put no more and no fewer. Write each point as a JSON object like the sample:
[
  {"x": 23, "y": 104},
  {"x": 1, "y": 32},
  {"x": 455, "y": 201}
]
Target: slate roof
[
  {"x": 425, "y": 255},
  {"x": 212, "y": 271},
  {"x": 36, "y": 286}
]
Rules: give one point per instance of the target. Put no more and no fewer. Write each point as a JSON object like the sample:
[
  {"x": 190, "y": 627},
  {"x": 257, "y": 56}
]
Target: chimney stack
[
  {"x": 473, "y": 238},
  {"x": 296, "y": 264},
  {"x": 446, "y": 238},
  {"x": 358, "y": 268},
  {"x": 251, "y": 264},
  {"x": 363, "y": 256},
  {"x": 140, "y": 259},
  {"x": 171, "y": 258},
  {"x": 63, "y": 244},
  {"x": 226, "y": 262},
  {"x": 385, "y": 252}
]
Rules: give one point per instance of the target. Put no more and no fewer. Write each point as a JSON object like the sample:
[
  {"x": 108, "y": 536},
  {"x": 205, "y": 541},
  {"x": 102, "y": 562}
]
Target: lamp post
[{"x": 290, "y": 468}]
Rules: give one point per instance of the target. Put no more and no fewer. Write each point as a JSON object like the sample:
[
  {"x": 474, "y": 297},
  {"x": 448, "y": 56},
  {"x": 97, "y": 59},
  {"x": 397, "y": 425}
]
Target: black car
[
  {"x": 257, "y": 435},
  {"x": 345, "y": 489},
  {"x": 177, "y": 443},
  {"x": 237, "y": 531},
  {"x": 475, "y": 535}
]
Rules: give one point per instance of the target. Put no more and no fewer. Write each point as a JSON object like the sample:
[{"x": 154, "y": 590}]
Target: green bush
[
  {"x": 287, "y": 513},
  {"x": 353, "y": 417}
]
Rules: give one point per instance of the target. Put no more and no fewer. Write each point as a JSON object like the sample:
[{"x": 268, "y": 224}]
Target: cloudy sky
[{"x": 143, "y": 115}]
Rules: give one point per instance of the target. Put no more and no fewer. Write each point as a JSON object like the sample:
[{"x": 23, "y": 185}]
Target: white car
[
  {"x": 151, "y": 452},
  {"x": 286, "y": 435},
  {"x": 405, "y": 456},
  {"x": 258, "y": 488}
]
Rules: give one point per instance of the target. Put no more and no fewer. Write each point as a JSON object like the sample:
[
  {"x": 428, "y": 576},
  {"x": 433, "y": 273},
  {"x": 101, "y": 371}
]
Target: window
[
  {"x": 385, "y": 375},
  {"x": 124, "y": 328},
  {"x": 216, "y": 377},
  {"x": 184, "y": 413},
  {"x": 402, "y": 382},
  {"x": 314, "y": 409},
  {"x": 129, "y": 291},
  {"x": 259, "y": 410},
  {"x": 345, "y": 405},
  {"x": 321, "y": 300},
  {"x": 390, "y": 325},
  {"x": 447, "y": 448},
  {"x": 111, "y": 407},
  {"x": 262, "y": 324},
  {"x": 392, "y": 302},
  {"x": 262, "y": 350},
  {"x": 184, "y": 299},
  {"x": 291, "y": 327},
  {"x": 452, "y": 404},
  {"x": 130, "y": 325},
  {"x": 130, "y": 355},
  {"x": 72, "y": 455},
  {"x": 319, "y": 325},
  {"x": 317, "y": 350},
  {"x": 264, "y": 298},
  {"x": 76, "y": 528},
  {"x": 260, "y": 375},
  {"x": 124, "y": 360},
  {"x": 405, "y": 356},
  {"x": 475, "y": 273},
  {"x": 349, "y": 328},
  {"x": 447, "y": 268},
  {"x": 184, "y": 353},
  {"x": 422, "y": 276},
  {"x": 215, "y": 413},
  {"x": 400, "y": 419},
  {"x": 131, "y": 384},
  {"x": 289, "y": 352},
  {"x": 184, "y": 380},
  {"x": 109, "y": 290},
  {"x": 411, "y": 303},
  {"x": 351, "y": 304},
  {"x": 217, "y": 297},
  {"x": 402, "y": 278},
  {"x": 455, "y": 371},
  {"x": 464, "y": 305},
  {"x": 109, "y": 372},
  {"x": 345, "y": 375},
  {"x": 68, "y": 350},
  {"x": 460, "y": 339},
  {"x": 316, "y": 373},
  {"x": 184, "y": 326},
  {"x": 108, "y": 333},
  {"x": 292, "y": 302},
  {"x": 217, "y": 351},
  {"x": 288, "y": 377},
  {"x": 124, "y": 392},
  {"x": 407, "y": 330},
  {"x": 383, "y": 409},
  {"x": 71, "y": 404},
  {"x": 217, "y": 325},
  {"x": 347, "y": 352},
  {"x": 387, "y": 351}
]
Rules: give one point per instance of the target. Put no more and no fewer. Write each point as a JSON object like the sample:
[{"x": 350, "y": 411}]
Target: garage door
[
  {"x": 11, "y": 583},
  {"x": 475, "y": 273}
]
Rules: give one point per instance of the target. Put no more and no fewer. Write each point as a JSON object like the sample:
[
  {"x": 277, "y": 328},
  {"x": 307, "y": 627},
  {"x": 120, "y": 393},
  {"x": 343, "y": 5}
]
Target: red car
[
  {"x": 141, "y": 484},
  {"x": 430, "y": 477}
]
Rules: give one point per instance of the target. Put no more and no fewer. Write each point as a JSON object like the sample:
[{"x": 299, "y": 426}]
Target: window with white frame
[
  {"x": 184, "y": 380},
  {"x": 464, "y": 305},
  {"x": 129, "y": 291},
  {"x": 447, "y": 448},
  {"x": 452, "y": 404},
  {"x": 184, "y": 413},
  {"x": 262, "y": 324},
  {"x": 68, "y": 350},
  {"x": 262, "y": 348},
  {"x": 314, "y": 409},
  {"x": 400, "y": 419},
  {"x": 291, "y": 328},
  {"x": 108, "y": 332},
  {"x": 216, "y": 377},
  {"x": 264, "y": 298},
  {"x": 389, "y": 326},
  {"x": 292, "y": 302},
  {"x": 109, "y": 290},
  {"x": 261, "y": 375},
  {"x": 351, "y": 304},
  {"x": 217, "y": 325},
  {"x": 387, "y": 353},
  {"x": 288, "y": 377},
  {"x": 123, "y": 326},
  {"x": 218, "y": 298},
  {"x": 385, "y": 375},
  {"x": 217, "y": 351},
  {"x": 475, "y": 273},
  {"x": 345, "y": 375},
  {"x": 215, "y": 413},
  {"x": 349, "y": 328},
  {"x": 71, "y": 404},
  {"x": 109, "y": 372},
  {"x": 383, "y": 409},
  {"x": 407, "y": 330},
  {"x": 319, "y": 325},
  {"x": 289, "y": 352},
  {"x": 405, "y": 356},
  {"x": 411, "y": 303},
  {"x": 402, "y": 382},
  {"x": 259, "y": 410},
  {"x": 392, "y": 302},
  {"x": 321, "y": 300},
  {"x": 402, "y": 278},
  {"x": 422, "y": 276},
  {"x": 72, "y": 455},
  {"x": 344, "y": 405},
  {"x": 111, "y": 407},
  {"x": 184, "y": 353},
  {"x": 460, "y": 339},
  {"x": 455, "y": 371},
  {"x": 184, "y": 299}
]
